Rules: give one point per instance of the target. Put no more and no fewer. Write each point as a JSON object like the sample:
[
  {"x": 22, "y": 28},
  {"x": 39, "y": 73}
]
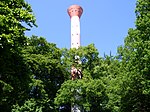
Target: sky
[{"x": 105, "y": 23}]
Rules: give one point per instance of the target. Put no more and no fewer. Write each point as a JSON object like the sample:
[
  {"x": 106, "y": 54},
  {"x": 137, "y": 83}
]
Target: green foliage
[
  {"x": 87, "y": 57},
  {"x": 14, "y": 16},
  {"x": 46, "y": 73},
  {"x": 87, "y": 93},
  {"x": 136, "y": 63},
  {"x": 29, "y": 106},
  {"x": 35, "y": 74}
]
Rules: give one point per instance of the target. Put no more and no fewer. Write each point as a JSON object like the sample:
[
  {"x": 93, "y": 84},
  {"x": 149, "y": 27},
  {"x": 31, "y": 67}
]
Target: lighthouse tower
[{"x": 75, "y": 13}]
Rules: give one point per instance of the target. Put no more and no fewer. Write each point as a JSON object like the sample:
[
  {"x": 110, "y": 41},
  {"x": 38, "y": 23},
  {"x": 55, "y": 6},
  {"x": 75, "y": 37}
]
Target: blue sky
[{"x": 104, "y": 22}]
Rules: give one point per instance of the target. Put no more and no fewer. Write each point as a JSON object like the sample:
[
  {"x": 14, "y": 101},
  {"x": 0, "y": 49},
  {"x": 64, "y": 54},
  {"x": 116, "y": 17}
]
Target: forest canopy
[{"x": 35, "y": 74}]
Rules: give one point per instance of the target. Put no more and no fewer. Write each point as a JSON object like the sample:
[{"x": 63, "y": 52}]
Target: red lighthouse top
[{"x": 75, "y": 10}]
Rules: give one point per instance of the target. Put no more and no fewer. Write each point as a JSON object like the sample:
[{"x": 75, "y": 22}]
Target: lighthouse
[{"x": 75, "y": 13}]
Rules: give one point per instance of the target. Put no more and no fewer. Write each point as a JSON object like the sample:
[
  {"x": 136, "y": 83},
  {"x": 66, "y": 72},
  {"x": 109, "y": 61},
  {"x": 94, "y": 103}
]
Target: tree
[
  {"x": 35, "y": 74},
  {"x": 135, "y": 67},
  {"x": 88, "y": 92},
  {"x": 46, "y": 72},
  {"x": 15, "y": 16}
]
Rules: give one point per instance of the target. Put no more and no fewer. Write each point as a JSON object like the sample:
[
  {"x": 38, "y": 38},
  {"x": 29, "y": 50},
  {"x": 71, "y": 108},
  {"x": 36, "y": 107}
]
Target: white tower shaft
[
  {"x": 75, "y": 32},
  {"x": 75, "y": 13}
]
